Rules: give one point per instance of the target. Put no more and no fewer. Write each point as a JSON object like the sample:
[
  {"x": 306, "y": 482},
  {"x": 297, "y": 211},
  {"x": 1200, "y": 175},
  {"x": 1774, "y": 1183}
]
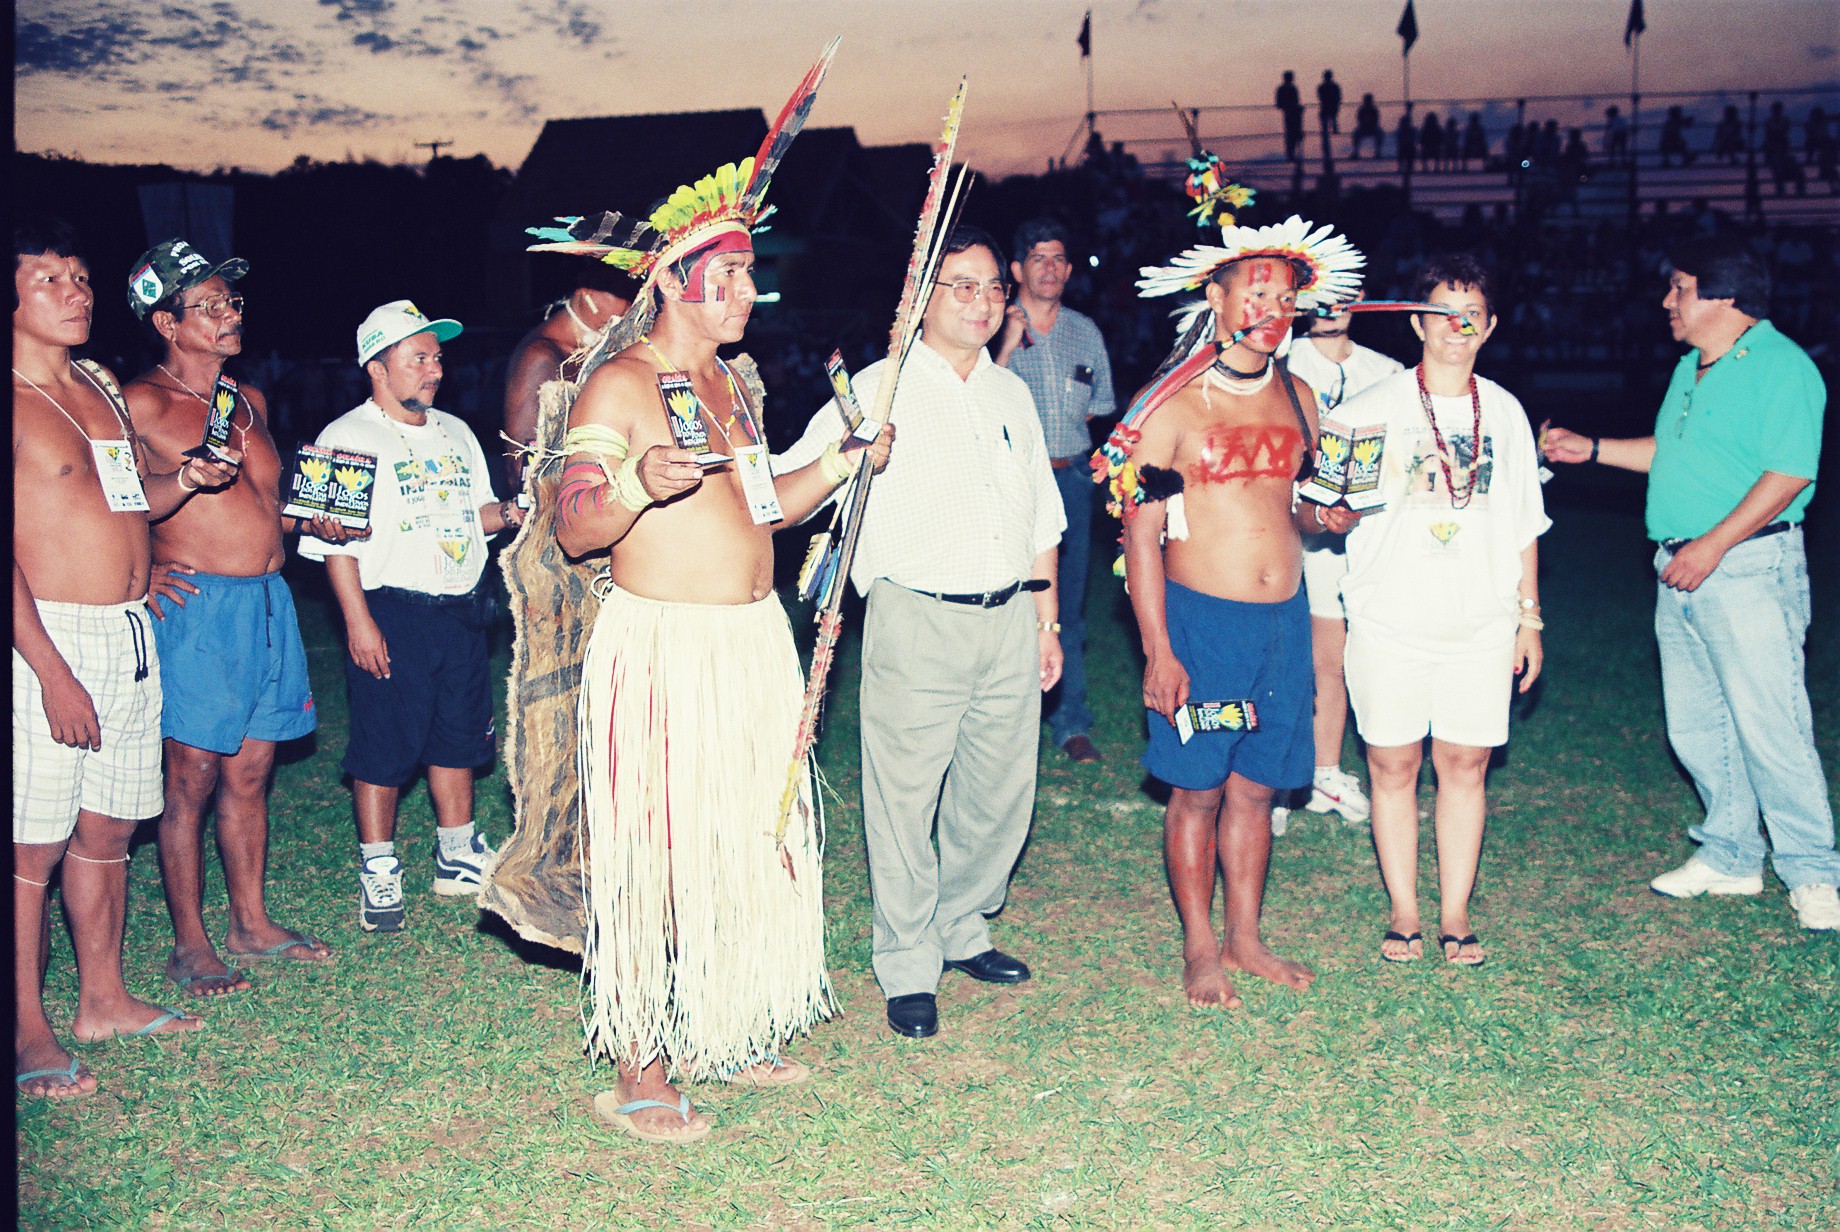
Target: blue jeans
[
  {"x": 1067, "y": 714},
  {"x": 1733, "y": 678}
]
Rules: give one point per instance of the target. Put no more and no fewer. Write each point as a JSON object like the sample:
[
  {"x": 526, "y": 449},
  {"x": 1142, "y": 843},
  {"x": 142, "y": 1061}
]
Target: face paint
[{"x": 695, "y": 264}]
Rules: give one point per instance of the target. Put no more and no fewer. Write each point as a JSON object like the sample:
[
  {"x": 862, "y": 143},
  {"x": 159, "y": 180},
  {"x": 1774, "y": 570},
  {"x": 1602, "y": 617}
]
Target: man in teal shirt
[{"x": 1731, "y": 470}]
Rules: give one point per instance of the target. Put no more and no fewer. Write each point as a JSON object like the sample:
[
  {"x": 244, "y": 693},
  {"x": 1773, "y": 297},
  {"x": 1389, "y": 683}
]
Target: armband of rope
[
  {"x": 608, "y": 447},
  {"x": 834, "y": 465}
]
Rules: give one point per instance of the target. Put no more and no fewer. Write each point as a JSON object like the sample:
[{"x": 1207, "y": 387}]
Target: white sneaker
[
  {"x": 1693, "y": 878},
  {"x": 380, "y": 896},
  {"x": 1817, "y": 907},
  {"x": 464, "y": 874},
  {"x": 1334, "y": 790},
  {"x": 1280, "y": 822}
]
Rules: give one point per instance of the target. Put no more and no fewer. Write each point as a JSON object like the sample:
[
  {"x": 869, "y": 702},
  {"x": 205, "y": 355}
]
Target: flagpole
[{"x": 1635, "y": 128}]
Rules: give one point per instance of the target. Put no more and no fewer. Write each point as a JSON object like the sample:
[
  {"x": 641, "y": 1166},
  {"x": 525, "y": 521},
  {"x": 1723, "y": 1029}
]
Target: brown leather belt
[{"x": 1061, "y": 464}]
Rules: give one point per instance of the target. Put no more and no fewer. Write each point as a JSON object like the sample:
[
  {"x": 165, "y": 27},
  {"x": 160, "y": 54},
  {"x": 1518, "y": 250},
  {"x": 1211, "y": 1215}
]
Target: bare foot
[
  {"x": 674, "y": 1123},
  {"x": 201, "y": 973},
  {"x": 1206, "y": 983},
  {"x": 1254, "y": 958},
  {"x": 273, "y": 941},
  {"x": 131, "y": 1018},
  {"x": 60, "y": 1076},
  {"x": 776, "y": 1073}
]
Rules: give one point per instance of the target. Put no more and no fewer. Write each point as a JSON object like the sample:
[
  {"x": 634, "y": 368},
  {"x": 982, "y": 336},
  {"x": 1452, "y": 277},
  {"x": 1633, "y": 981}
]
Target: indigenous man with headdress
[
  {"x": 1214, "y": 567},
  {"x": 704, "y": 932}
]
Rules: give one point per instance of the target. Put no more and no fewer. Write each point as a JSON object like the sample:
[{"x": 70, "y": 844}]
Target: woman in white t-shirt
[{"x": 1442, "y": 595}]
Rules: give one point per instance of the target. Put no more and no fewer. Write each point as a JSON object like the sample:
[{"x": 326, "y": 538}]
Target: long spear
[{"x": 929, "y": 243}]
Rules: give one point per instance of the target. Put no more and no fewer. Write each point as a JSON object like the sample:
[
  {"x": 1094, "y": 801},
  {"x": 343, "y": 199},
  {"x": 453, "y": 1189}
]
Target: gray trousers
[{"x": 951, "y": 713}]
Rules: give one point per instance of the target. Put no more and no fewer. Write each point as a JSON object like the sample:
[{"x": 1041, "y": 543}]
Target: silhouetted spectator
[
  {"x": 1290, "y": 105},
  {"x": 1367, "y": 126},
  {"x": 1616, "y": 137},
  {"x": 1329, "y": 105},
  {"x": 1777, "y": 154},
  {"x": 1815, "y": 132},
  {"x": 1514, "y": 151},
  {"x": 1674, "y": 138},
  {"x": 1546, "y": 144},
  {"x": 1430, "y": 142},
  {"x": 1475, "y": 142},
  {"x": 1728, "y": 137},
  {"x": 1405, "y": 143}
]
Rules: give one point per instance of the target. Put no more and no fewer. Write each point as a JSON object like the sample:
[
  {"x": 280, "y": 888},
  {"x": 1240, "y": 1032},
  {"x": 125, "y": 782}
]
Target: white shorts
[
  {"x": 110, "y": 649},
  {"x": 1323, "y": 571},
  {"x": 1401, "y": 695}
]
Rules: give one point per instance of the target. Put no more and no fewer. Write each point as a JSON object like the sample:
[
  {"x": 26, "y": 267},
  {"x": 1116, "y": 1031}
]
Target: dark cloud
[
  {"x": 78, "y": 46},
  {"x": 374, "y": 41},
  {"x": 1823, "y": 51},
  {"x": 322, "y": 115},
  {"x": 352, "y": 10},
  {"x": 573, "y": 22}
]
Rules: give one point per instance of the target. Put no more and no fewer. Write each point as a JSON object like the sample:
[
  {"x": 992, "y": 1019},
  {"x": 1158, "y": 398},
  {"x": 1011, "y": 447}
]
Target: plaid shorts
[{"x": 110, "y": 649}]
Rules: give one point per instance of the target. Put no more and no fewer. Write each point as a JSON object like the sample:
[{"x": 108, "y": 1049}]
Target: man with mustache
[
  {"x": 1731, "y": 468},
  {"x": 233, "y": 670},
  {"x": 416, "y": 611}
]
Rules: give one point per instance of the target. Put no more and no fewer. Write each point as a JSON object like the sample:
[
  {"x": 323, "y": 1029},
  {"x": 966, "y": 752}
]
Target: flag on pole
[
  {"x": 1637, "y": 23},
  {"x": 1086, "y": 35},
  {"x": 1408, "y": 28}
]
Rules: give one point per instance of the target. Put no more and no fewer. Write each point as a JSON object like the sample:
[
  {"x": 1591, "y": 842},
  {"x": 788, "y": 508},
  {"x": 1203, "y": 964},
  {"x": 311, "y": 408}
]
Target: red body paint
[{"x": 1250, "y": 451}]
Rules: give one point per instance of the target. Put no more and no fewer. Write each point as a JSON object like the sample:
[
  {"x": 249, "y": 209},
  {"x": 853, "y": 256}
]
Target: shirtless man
[
  {"x": 234, "y": 673},
  {"x": 539, "y": 355},
  {"x": 716, "y": 955},
  {"x": 86, "y": 685},
  {"x": 1223, "y": 617}
]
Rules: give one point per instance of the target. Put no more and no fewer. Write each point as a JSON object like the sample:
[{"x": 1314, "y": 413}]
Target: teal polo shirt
[{"x": 1757, "y": 409}]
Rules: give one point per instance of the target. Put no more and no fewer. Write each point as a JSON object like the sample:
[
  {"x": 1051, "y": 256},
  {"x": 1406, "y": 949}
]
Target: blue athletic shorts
[
  {"x": 1240, "y": 651},
  {"x": 436, "y": 707},
  {"x": 231, "y": 664}
]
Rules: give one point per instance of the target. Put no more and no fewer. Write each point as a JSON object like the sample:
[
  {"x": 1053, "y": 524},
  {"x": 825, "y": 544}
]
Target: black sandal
[
  {"x": 1408, "y": 938},
  {"x": 1460, "y": 942}
]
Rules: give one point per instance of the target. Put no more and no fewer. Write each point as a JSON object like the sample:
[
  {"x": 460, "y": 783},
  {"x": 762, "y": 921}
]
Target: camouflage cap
[{"x": 173, "y": 266}]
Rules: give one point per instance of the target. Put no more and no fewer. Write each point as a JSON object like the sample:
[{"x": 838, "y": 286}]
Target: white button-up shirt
[{"x": 968, "y": 499}]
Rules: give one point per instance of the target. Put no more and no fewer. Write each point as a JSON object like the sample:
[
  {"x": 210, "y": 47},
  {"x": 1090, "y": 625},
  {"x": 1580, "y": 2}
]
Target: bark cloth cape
[{"x": 538, "y": 884}]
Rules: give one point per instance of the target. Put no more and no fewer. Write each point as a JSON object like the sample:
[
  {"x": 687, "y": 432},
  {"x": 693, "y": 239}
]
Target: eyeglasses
[
  {"x": 966, "y": 290},
  {"x": 217, "y": 307}
]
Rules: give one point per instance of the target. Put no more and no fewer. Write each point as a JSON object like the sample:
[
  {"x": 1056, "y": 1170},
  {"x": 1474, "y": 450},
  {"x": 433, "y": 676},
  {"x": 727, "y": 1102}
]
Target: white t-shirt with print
[
  {"x": 1422, "y": 573},
  {"x": 431, "y": 481}
]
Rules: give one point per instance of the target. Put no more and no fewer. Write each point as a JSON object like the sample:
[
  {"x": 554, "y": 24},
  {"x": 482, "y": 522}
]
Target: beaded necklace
[
  {"x": 734, "y": 397},
  {"x": 1446, "y": 458}
]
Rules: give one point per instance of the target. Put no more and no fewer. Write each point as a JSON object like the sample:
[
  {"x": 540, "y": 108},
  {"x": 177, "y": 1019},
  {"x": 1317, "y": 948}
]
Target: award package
[
  {"x": 684, "y": 412},
  {"x": 1347, "y": 467},
  {"x": 337, "y": 482},
  {"x": 217, "y": 422}
]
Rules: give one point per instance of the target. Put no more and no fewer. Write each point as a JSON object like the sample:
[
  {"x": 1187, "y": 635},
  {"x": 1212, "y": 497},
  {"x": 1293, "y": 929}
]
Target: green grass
[{"x": 1622, "y": 1061}]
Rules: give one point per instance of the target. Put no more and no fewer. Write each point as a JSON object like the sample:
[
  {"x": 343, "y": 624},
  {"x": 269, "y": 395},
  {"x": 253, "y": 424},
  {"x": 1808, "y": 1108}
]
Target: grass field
[{"x": 1622, "y": 1061}]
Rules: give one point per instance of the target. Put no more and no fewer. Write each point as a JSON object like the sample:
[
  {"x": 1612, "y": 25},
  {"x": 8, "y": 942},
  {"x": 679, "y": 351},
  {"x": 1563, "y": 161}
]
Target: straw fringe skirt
[{"x": 701, "y": 951}]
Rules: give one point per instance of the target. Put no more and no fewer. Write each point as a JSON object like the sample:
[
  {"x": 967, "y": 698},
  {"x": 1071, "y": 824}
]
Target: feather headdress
[
  {"x": 730, "y": 200},
  {"x": 1328, "y": 266}
]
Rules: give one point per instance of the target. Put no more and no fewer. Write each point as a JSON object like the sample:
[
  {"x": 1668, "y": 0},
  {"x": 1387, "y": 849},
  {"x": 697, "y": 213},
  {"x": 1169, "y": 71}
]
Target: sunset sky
[{"x": 254, "y": 83}]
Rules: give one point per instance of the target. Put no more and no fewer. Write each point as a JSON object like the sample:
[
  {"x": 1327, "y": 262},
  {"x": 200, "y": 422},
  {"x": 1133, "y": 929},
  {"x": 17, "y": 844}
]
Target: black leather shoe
[
  {"x": 992, "y": 966},
  {"x": 916, "y": 1015}
]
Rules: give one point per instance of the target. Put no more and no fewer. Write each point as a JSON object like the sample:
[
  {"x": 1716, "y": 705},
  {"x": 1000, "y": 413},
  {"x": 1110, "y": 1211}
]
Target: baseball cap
[
  {"x": 390, "y": 324},
  {"x": 172, "y": 266}
]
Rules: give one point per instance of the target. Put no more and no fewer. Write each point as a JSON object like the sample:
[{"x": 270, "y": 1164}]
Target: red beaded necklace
[{"x": 1473, "y": 472}]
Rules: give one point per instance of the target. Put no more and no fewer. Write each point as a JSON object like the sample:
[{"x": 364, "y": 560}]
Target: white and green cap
[{"x": 390, "y": 324}]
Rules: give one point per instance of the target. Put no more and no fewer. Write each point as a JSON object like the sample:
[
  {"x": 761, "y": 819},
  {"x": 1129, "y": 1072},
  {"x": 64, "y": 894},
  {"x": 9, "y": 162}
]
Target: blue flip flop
[
  {"x": 165, "y": 1017},
  {"x": 621, "y": 1118},
  {"x": 275, "y": 951},
  {"x": 32, "y": 1075}
]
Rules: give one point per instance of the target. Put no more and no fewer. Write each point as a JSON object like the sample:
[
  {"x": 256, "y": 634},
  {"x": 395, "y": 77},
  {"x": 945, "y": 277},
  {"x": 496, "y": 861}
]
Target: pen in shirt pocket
[{"x": 1006, "y": 441}]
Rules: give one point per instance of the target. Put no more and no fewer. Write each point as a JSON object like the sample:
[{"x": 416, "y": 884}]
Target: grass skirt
[{"x": 701, "y": 951}]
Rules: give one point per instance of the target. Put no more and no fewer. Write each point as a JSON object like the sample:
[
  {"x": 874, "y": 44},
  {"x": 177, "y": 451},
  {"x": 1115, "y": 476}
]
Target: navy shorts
[
  {"x": 1234, "y": 651},
  {"x": 231, "y": 664},
  {"x": 435, "y": 709}
]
